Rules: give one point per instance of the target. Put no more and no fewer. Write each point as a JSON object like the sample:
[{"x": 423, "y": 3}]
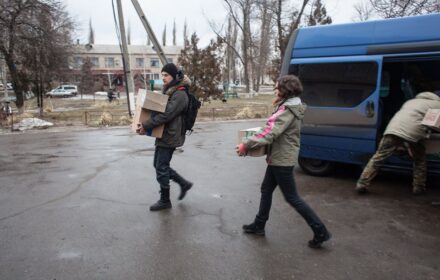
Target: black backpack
[{"x": 190, "y": 114}]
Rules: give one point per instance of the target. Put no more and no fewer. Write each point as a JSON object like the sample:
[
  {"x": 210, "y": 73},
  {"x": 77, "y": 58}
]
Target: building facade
[{"x": 107, "y": 64}]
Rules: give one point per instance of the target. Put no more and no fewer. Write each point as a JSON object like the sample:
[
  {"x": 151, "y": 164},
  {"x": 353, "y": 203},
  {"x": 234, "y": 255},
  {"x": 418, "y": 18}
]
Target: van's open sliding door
[{"x": 342, "y": 95}]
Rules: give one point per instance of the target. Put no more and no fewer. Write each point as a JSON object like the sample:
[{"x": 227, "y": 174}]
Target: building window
[
  {"x": 139, "y": 62},
  {"x": 154, "y": 62},
  {"x": 95, "y": 61},
  {"x": 109, "y": 62},
  {"x": 156, "y": 77},
  {"x": 77, "y": 62},
  {"x": 336, "y": 84}
]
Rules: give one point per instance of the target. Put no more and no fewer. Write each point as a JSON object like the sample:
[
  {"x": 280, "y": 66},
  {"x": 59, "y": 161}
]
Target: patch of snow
[{"x": 30, "y": 123}]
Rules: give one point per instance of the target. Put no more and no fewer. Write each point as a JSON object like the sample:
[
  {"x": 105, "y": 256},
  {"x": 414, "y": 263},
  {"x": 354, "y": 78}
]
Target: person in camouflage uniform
[{"x": 404, "y": 130}]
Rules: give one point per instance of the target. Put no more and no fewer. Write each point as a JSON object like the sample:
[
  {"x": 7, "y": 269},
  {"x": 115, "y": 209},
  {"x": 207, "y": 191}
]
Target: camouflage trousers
[{"x": 388, "y": 145}]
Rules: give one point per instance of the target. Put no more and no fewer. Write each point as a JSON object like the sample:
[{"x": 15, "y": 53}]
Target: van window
[{"x": 336, "y": 84}]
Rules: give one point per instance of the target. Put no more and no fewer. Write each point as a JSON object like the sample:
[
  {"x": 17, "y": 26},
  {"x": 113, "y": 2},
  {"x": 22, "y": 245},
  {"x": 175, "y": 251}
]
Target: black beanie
[{"x": 171, "y": 69}]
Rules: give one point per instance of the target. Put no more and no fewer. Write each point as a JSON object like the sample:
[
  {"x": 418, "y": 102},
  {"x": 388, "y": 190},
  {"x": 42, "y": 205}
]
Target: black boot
[
  {"x": 164, "y": 201},
  {"x": 184, "y": 184},
  {"x": 256, "y": 228},
  {"x": 321, "y": 234},
  {"x": 183, "y": 189}
]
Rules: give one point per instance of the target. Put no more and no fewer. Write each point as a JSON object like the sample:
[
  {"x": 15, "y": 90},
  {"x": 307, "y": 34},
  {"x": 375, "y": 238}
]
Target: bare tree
[
  {"x": 240, "y": 12},
  {"x": 364, "y": 11},
  {"x": 400, "y": 8},
  {"x": 233, "y": 42},
  {"x": 164, "y": 36},
  {"x": 35, "y": 42},
  {"x": 265, "y": 17},
  {"x": 286, "y": 28}
]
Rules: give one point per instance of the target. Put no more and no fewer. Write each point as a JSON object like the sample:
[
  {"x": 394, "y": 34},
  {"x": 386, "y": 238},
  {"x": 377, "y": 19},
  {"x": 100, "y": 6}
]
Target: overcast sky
[{"x": 163, "y": 12}]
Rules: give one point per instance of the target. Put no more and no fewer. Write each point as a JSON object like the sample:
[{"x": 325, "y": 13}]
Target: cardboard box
[
  {"x": 151, "y": 100},
  {"x": 432, "y": 119},
  {"x": 142, "y": 115},
  {"x": 247, "y": 133},
  {"x": 155, "y": 102}
]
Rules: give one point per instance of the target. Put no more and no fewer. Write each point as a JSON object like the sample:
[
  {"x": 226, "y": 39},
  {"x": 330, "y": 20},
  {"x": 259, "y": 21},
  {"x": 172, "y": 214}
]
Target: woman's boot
[
  {"x": 164, "y": 201},
  {"x": 257, "y": 228},
  {"x": 321, "y": 234}
]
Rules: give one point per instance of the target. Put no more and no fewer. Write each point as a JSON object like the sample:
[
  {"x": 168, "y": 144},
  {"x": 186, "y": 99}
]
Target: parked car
[
  {"x": 58, "y": 92},
  {"x": 8, "y": 86},
  {"x": 71, "y": 88}
]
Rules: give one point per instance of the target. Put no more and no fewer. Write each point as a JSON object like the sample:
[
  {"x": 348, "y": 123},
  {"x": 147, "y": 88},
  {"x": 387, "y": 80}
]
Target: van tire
[{"x": 316, "y": 167}]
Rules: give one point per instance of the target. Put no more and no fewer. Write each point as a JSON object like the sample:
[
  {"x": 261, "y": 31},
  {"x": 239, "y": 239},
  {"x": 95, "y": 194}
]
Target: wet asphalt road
[{"x": 74, "y": 205}]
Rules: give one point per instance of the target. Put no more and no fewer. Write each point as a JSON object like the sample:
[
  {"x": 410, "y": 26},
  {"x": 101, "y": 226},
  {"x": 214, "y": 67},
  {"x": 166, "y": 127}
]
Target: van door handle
[{"x": 369, "y": 109}]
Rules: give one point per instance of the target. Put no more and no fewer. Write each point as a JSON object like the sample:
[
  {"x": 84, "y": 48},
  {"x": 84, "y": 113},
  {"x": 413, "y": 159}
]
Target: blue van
[{"x": 356, "y": 76}]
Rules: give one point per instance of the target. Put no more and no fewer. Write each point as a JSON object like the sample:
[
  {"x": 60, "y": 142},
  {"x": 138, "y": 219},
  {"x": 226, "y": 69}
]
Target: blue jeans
[{"x": 283, "y": 176}]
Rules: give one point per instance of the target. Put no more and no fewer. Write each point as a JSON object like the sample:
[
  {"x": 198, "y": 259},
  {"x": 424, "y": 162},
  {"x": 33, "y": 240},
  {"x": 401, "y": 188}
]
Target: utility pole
[
  {"x": 129, "y": 86},
  {"x": 151, "y": 35}
]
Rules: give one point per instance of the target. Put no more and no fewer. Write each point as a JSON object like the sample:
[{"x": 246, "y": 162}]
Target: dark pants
[
  {"x": 283, "y": 177},
  {"x": 164, "y": 172}
]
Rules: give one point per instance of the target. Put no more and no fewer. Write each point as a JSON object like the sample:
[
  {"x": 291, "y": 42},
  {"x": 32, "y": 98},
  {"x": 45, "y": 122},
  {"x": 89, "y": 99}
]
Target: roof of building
[{"x": 132, "y": 49}]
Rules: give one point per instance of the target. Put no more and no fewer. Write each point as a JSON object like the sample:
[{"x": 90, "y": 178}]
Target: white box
[{"x": 432, "y": 119}]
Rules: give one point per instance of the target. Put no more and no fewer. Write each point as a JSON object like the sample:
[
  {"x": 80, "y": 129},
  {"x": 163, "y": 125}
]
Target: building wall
[{"x": 108, "y": 61}]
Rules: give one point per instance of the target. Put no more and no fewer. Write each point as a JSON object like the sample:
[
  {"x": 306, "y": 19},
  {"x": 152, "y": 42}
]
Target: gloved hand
[{"x": 241, "y": 150}]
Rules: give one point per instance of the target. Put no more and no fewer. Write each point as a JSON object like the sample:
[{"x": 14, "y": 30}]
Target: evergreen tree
[
  {"x": 164, "y": 36},
  {"x": 185, "y": 33},
  {"x": 318, "y": 15},
  {"x": 91, "y": 33},
  {"x": 174, "y": 33},
  {"x": 202, "y": 66},
  {"x": 87, "y": 80}
]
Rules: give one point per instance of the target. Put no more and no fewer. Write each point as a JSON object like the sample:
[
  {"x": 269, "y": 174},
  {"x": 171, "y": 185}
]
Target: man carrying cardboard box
[
  {"x": 175, "y": 86},
  {"x": 404, "y": 129}
]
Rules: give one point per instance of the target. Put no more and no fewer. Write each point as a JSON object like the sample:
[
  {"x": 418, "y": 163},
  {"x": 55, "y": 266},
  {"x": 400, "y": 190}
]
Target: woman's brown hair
[{"x": 288, "y": 86}]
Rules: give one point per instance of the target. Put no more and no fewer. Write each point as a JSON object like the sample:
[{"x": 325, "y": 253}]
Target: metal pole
[
  {"x": 125, "y": 59},
  {"x": 156, "y": 45}
]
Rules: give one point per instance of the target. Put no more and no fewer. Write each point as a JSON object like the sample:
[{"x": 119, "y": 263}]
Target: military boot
[
  {"x": 184, "y": 184},
  {"x": 164, "y": 201}
]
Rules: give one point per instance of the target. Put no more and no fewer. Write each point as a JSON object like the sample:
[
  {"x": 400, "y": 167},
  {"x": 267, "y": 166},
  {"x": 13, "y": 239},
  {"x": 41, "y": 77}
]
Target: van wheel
[{"x": 316, "y": 167}]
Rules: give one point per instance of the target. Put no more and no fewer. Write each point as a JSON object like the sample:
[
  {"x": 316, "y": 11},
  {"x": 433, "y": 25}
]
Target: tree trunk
[{"x": 18, "y": 89}]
